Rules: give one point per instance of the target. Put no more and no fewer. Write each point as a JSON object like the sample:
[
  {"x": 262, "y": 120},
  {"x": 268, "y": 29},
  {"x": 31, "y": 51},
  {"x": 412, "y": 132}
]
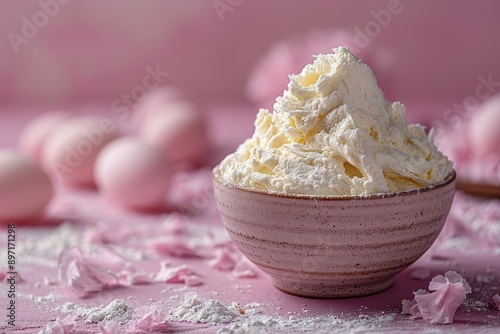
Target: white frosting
[{"x": 334, "y": 133}]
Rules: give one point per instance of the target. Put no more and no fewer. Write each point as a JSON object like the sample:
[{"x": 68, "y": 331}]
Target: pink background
[
  {"x": 91, "y": 52},
  {"x": 97, "y": 50}
]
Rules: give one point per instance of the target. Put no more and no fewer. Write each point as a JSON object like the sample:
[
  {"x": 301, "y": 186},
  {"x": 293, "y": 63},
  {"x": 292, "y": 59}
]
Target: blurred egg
[
  {"x": 33, "y": 136},
  {"x": 25, "y": 189},
  {"x": 70, "y": 151},
  {"x": 133, "y": 174},
  {"x": 180, "y": 132},
  {"x": 154, "y": 102},
  {"x": 484, "y": 129}
]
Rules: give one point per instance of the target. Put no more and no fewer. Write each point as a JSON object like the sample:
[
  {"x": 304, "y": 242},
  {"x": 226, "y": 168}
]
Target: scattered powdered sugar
[
  {"x": 200, "y": 311},
  {"x": 476, "y": 305},
  {"x": 117, "y": 310},
  {"x": 49, "y": 298},
  {"x": 321, "y": 324},
  {"x": 146, "y": 319},
  {"x": 41, "y": 245},
  {"x": 249, "y": 319},
  {"x": 232, "y": 319}
]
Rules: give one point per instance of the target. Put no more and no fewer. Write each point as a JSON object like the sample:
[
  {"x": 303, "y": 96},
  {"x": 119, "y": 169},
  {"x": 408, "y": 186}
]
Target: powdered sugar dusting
[
  {"x": 117, "y": 310},
  {"x": 322, "y": 324},
  {"x": 249, "y": 318},
  {"x": 49, "y": 298},
  {"x": 196, "y": 310}
]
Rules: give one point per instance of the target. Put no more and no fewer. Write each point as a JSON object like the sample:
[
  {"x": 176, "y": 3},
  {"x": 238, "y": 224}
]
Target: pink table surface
[{"x": 82, "y": 210}]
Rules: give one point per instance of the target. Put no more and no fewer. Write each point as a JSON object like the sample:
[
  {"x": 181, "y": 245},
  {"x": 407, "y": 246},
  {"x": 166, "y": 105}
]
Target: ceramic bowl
[{"x": 333, "y": 247}]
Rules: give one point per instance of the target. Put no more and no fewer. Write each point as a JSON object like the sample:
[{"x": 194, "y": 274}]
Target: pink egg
[
  {"x": 484, "y": 129},
  {"x": 133, "y": 174},
  {"x": 71, "y": 150},
  {"x": 180, "y": 132},
  {"x": 154, "y": 102},
  {"x": 32, "y": 138},
  {"x": 25, "y": 189}
]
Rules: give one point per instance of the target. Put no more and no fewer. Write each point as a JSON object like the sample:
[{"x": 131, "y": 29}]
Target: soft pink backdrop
[{"x": 97, "y": 50}]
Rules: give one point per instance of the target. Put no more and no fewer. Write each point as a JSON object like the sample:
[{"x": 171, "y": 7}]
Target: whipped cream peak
[{"x": 333, "y": 132}]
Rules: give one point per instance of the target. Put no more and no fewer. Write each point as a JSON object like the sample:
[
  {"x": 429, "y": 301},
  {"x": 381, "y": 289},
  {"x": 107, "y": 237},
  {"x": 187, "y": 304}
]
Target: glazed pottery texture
[{"x": 332, "y": 247}]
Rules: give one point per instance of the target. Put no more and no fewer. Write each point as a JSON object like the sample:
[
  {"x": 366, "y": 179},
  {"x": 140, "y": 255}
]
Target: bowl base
[{"x": 332, "y": 291}]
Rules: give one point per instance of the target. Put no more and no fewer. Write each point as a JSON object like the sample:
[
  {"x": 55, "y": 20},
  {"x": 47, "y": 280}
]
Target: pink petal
[
  {"x": 148, "y": 319},
  {"x": 407, "y": 305},
  {"x": 81, "y": 275},
  {"x": 111, "y": 327},
  {"x": 109, "y": 234},
  {"x": 496, "y": 299},
  {"x": 450, "y": 277},
  {"x": 179, "y": 274},
  {"x": 69, "y": 322},
  {"x": 432, "y": 308},
  {"x": 438, "y": 282},
  {"x": 3, "y": 273},
  {"x": 244, "y": 269},
  {"x": 223, "y": 261},
  {"x": 191, "y": 280},
  {"x": 414, "y": 310},
  {"x": 64, "y": 326},
  {"x": 141, "y": 278},
  {"x": 175, "y": 247},
  {"x": 129, "y": 277},
  {"x": 175, "y": 224},
  {"x": 439, "y": 307},
  {"x": 106, "y": 258}
]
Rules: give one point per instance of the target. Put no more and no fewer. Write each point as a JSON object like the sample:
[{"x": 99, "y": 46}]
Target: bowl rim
[{"x": 217, "y": 177}]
